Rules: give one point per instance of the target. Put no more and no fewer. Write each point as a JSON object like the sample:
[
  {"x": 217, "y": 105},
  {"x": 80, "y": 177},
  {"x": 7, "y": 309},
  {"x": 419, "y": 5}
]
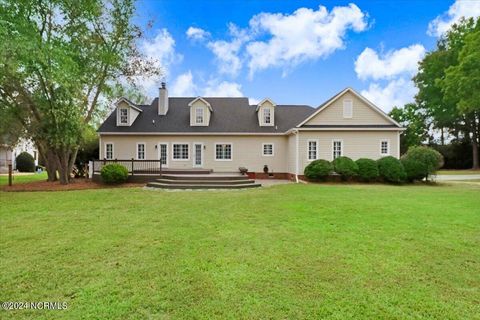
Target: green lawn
[
  {"x": 284, "y": 252},
  {"x": 22, "y": 178}
]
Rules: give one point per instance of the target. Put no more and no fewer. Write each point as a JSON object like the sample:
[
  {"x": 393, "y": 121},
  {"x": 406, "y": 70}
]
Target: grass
[
  {"x": 457, "y": 172},
  {"x": 288, "y": 251},
  {"x": 23, "y": 178}
]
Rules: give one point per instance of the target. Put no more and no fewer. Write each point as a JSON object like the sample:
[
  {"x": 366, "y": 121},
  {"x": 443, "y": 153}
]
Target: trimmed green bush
[
  {"x": 318, "y": 169},
  {"x": 420, "y": 162},
  {"x": 25, "y": 162},
  {"x": 367, "y": 169},
  {"x": 391, "y": 169},
  {"x": 345, "y": 167},
  {"x": 114, "y": 173}
]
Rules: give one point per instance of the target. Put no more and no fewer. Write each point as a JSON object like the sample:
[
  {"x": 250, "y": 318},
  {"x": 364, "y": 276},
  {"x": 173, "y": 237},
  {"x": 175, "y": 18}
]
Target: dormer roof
[{"x": 203, "y": 100}]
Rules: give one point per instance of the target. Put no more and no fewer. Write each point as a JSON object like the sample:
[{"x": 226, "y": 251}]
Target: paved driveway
[{"x": 456, "y": 177}]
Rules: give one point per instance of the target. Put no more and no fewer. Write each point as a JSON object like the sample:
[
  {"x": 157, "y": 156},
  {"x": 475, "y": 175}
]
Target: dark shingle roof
[{"x": 231, "y": 115}]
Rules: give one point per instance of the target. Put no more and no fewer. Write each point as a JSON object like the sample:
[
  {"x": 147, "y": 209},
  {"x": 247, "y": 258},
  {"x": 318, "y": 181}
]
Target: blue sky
[{"x": 295, "y": 52}]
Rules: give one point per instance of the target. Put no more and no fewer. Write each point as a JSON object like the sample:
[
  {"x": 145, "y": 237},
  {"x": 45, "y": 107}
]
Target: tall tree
[
  {"x": 57, "y": 59},
  {"x": 416, "y": 122},
  {"x": 462, "y": 83},
  {"x": 445, "y": 109}
]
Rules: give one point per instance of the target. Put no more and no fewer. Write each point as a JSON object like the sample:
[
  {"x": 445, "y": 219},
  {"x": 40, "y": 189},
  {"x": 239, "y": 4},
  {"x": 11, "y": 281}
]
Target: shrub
[
  {"x": 345, "y": 167},
  {"x": 25, "y": 162},
  {"x": 318, "y": 169},
  {"x": 114, "y": 173},
  {"x": 420, "y": 162},
  {"x": 391, "y": 169},
  {"x": 367, "y": 169}
]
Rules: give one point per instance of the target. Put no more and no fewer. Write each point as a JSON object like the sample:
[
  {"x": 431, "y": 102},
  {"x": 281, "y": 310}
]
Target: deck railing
[{"x": 150, "y": 167}]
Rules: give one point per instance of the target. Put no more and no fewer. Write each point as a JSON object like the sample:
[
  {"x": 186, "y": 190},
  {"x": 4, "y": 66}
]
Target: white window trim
[
  {"x": 194, "y": 155},
  {"x": 159, "y": 154},
  {"x": 144, "y": 151},
  {"x": 308, "y": 151},
  {"x": 388, "y": 147},
  {"x": 119, "y": 122},
  {"x": 215, "y": 151},
  {"x": 203, "y": 115},
  {"x": 173, "y": 147},
  {"x": 343, "y": 105},
  {"x": 263, "y": 149},
  {"x": 105, "y": 151},
  {"x": 341, "y": 150}
]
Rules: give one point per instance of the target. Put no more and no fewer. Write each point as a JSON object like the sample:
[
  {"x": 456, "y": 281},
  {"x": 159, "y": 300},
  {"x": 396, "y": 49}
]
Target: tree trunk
[
  {"x": 475, "y": 164},
  {"x": 51, "y": 166}
]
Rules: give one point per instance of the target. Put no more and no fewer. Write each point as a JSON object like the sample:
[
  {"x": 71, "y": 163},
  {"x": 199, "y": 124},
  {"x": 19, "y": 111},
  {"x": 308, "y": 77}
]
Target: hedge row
[{"x": 417, "y": 164}]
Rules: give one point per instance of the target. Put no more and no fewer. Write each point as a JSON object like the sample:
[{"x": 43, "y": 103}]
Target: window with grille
[
  {"x": 180, "y": 151},
  {"x": 267, "y": 116},
  {"x": 124, "y": 116},
  {"x": 141, "y": 151},
  {"x": 312, "y": 150},
  {"x": 109, "y": 151},
  {"x": 384, "y": 148},
  {"x": 223, "y": 151},
  {"x": 337, "y": 149},
  {"x": 268, "y": 149},
  {"x": 199, "y": 115}
]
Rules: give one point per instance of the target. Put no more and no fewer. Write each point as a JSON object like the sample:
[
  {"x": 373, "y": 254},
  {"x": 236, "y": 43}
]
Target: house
[
  {"x": 223, "y": 134},
  {"x": 8, "y": 154}
]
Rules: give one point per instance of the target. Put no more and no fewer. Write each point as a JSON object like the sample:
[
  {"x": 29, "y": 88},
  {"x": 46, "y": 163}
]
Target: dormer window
[
  {"x": 199, "y": 117},
  {"x": 124, "y": 116},
  {"x": 267, "y": 116}
]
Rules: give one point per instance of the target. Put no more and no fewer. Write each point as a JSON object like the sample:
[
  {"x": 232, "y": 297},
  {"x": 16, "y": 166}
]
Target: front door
[
  {"x": 163, "y": 154},
  {"x": 198, "y": 155}
]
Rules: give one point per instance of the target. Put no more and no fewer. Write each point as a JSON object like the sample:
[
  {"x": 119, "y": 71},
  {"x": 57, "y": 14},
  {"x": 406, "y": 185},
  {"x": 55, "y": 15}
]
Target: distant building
[{"x": 9, "y": 154}]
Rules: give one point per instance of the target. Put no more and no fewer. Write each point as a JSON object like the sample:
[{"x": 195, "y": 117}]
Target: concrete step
[
  {"x": 187, "y": 171},
  {"x": 204, "y": 181},
  {"x": 202, "y": 186},
  {"x": 224, "y": 177}
]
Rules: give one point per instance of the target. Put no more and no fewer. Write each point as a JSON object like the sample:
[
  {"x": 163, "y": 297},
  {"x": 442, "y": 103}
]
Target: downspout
[{"x": 296, "y": 156}]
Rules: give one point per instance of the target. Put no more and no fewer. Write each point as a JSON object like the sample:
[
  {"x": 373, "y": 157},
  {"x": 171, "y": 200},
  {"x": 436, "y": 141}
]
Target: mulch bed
[{"x": 76, "y": 184}]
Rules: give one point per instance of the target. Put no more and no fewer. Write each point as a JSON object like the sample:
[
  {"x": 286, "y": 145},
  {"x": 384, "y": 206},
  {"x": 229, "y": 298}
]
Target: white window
[
  {"x": 223, "y": 151},
  {"x": 384, "y": 148},
  {"x": 312, "y": 150},
  {"x": 124, "y": 116},
  {"x": 109, "y": 151},
  {"x": 140, "y": 151},
  {"x": 180, "y": 151},
  {"x": 199, "y": 115},
  {"x": 267, "y": 116},
  {"x": 337, "y": 149},
  {"x": 267, "y": 149},
  {"x": 347, "y": 108}
]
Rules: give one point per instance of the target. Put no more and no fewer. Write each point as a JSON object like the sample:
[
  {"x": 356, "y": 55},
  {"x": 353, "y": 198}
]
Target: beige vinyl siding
[
  {"x": 246, "y": 150},
  {"x": 355, "y": 144},
  {"x": 361, "y": 113},
  {"x": 291, "y": 153}
]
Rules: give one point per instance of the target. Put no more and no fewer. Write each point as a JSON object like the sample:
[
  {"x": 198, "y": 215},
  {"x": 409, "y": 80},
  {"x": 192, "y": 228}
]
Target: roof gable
[
  {"x": 128, "y": 102},
  {"x": 364, "y": 112},
  {"x": 205, "y": 102},
  {"x": 266, "y": 100}
]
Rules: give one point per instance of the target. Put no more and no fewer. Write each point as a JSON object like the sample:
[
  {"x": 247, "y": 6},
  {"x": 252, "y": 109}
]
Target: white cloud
[
  {"x": 253, "y": 101},
  {"x": 199, "y": 34},
  {"x": 183, "y": 85},
  {"x": 402, "y": 61},
  {"x": 396, "y": 92},
  {"x": 227, "y": 52},
  {"x": 461, "y": 8},
  {"x": 303, "y": 35},
  {"x": 223, "y": 89},
  {"x": 161, "y": 50}
]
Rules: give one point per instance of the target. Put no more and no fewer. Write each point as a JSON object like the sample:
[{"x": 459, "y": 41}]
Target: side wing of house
[{"x": 347, "y": 125}]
